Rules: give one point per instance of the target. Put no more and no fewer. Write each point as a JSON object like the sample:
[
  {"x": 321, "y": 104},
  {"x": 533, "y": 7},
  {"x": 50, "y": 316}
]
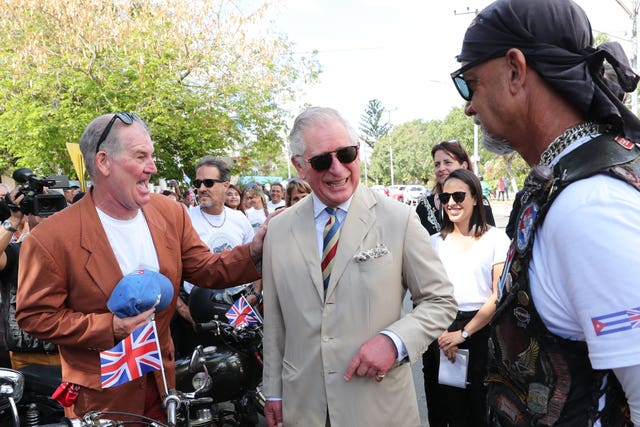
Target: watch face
[{"x": 465, "y": 334}]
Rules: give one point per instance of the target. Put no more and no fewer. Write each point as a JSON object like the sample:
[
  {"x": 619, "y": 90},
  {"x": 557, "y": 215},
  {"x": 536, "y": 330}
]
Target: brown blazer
[{"x": 67, "y": 273}]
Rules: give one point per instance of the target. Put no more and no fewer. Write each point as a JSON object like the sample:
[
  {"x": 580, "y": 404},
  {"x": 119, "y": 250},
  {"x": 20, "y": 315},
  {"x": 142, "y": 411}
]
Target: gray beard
[{"x": 495, "y": 145}]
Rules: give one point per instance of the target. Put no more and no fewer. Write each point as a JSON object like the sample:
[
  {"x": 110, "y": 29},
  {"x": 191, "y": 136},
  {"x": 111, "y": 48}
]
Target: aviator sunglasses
[
  {"x": 126, "y": 118},
  {"x": 209, "y": 182},
  {"x": 458, "y": 76},
  {"x": 322, "y": 162},
  {"x": 458, "y": 197}
]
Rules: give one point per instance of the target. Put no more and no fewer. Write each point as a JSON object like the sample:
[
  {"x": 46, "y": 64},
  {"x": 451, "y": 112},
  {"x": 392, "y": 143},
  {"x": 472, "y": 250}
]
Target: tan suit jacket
[
  {"x": 308, "y": 342},
  {"x": 68, "y": 271}
]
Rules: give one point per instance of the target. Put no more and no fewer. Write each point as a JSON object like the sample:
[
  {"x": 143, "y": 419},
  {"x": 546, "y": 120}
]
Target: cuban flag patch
[
  {"x": 619, "y": 321},
  {"x": 525, "y": 226}
]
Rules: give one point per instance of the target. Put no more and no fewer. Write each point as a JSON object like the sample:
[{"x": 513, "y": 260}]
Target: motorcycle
[{"x": 220, "y": 384}]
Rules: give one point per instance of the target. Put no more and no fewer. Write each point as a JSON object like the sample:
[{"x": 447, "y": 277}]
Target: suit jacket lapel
[
  {"x": 356, "y": 226},
  {"x": 303, "y": 231}
]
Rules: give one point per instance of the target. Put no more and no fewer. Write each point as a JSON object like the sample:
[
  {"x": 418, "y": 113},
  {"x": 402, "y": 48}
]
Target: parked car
[
  {"x": 380, "y": 189},
  {"x": 413, "y": 193},
  {"x": 396, "y": 192}
]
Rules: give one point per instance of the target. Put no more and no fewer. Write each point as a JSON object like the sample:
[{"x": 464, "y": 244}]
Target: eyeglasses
[
  {"x": 322, "y": 162},
  {"x": 126, "y": 118},
  {"x": 457, "y": 76},
  {"x": 209, "y": 182},
  {"x": 458, "y": 197}
]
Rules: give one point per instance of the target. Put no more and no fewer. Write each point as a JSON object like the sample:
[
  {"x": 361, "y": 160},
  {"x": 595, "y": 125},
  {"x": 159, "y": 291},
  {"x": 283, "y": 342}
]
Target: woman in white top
[
  {"x": 473, "y": 254},
  {"x": 257, "y": 213}
]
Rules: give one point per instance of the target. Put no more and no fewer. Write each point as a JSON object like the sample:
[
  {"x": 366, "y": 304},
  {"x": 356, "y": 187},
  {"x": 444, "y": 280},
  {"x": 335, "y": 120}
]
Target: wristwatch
[
  {"x": 8, "y": 226},
  {"x": 465, "y": 334}
]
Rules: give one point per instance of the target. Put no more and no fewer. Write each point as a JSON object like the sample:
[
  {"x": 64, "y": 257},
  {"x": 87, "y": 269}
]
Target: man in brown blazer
[
  {"x": 71, "y": 263},
  {"x": 334, "y": 353}
]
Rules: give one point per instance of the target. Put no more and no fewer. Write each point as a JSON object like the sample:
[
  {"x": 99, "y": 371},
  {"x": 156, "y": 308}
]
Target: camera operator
[{"x": 23, "y": 348}]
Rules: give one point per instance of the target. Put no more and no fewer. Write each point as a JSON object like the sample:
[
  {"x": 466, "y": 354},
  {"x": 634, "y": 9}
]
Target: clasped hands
[{"x": 448, "y": 343}]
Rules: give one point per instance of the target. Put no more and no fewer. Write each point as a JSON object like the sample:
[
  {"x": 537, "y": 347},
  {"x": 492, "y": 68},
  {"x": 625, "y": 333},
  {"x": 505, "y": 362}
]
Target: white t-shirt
[
  {"x": 470, "y": 270},
  {"x": 271, "y": 207},
  {"x": 221, "y": 232},
  {"x": 256, "y": 217},
  {"x": 131, "y": 242},
  {"x": 586, "y": 279}
]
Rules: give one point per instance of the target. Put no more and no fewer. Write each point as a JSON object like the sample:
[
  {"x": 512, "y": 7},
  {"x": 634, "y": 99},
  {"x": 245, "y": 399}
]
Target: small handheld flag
[
  {"x": 241, "y": 313},
  {"x": 131, "y": 358}
]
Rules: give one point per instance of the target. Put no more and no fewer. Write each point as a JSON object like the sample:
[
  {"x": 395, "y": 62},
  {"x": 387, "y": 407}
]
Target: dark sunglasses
[
  {"x": 209, "y": 182},
  {"x": 458, "y": 76},
  {"x": 126, "y": 118},
  {"x": 323, "y": 161},
  {"x": 458, "y": 197}
]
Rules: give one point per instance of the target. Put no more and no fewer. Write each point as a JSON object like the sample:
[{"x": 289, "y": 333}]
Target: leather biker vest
[{"x": 536, "y": 378}]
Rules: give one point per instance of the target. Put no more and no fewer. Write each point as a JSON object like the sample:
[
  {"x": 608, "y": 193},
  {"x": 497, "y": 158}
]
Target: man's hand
[
  {"x": 255, "y": 247},
  {"x": 183, "y": 310},
  {"x": 123, "y": 326},
  {"x": 374, "y": 358},
  {"x": 273, "y": 413}
]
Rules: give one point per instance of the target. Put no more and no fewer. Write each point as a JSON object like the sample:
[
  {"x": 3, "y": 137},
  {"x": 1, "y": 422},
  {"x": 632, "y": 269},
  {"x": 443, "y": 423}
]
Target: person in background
[
  {"x": 276, "y": 194},
  {"x": 486, "y": 188},
  {"x": 297, "y": 189},
  {"x": 245, "y": 204},
  {"x": 447, "y": 157},
  {"x": 4, "y": 190},
  {"x": 24, "y": 349},
  {"x": 335, "y": 340},
  {"x": 473, "y": 255},
  {"x": 566, "y": 350},
  {"x": 233, "y": 198},
  {"x": 70, "y": 192},
  {"x": 257, "y": 212},
  {"x": 70, "y": 264}
]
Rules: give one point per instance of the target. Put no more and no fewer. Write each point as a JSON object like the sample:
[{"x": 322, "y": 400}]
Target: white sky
[{"x": 398, "y": 51}]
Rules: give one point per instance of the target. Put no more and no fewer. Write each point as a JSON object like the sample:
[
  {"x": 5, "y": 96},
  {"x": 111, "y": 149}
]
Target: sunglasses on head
[
  {"x": 323, "y": 161},
  {"x": 458, "y": 197},
  {"x": 458, "y": 76},
  {"x": 126, "y": 118},
  {"x": 209, "y": 182}
]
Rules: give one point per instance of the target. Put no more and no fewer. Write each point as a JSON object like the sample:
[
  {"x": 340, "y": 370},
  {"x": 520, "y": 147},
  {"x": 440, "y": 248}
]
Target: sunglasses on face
[
  {"x": 209, "y": 182},
  {"x": 458, "y": 76},
  {"x": 323, "y": 161},
  {"x": 126, "y": 118},
  {"x": 458, "y": 197}
]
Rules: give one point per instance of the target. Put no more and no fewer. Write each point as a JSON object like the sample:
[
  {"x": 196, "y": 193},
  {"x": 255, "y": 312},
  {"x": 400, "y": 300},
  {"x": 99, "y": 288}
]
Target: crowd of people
[{"x": 544, "y": 320}]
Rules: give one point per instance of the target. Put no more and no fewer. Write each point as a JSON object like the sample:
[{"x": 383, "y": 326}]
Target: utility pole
[{"x": 391, "y": 145}]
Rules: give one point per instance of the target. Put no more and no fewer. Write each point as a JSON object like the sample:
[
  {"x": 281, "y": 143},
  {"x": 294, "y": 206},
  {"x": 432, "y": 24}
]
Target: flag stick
[{"x": 164, "y": 378}]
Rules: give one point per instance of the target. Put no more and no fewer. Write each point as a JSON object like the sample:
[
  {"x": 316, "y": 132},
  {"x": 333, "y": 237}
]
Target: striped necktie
[{"x": 329, "y": 245}]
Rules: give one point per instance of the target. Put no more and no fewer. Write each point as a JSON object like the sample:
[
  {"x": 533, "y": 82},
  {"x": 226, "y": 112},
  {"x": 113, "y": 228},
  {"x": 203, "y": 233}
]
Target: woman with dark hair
[
  {"x": 473, "y": 254},
  {"x": 232, "y": 198},
  {"x": 447, "y": 157},
  {"x": 297, "y": 189}
]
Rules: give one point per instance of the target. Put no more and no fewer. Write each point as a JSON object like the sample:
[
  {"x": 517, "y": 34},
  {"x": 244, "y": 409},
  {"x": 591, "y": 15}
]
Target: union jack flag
[
  {"x": 131, "y": 358},
  {"x": 241, "y": 313},
  {"x": 616, "y": 322}
]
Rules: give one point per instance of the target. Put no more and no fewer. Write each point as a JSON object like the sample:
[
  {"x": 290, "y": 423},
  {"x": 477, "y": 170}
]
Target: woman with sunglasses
[
  {"x": 447, "y": 157},
  {"x": 473, "y": 255}
]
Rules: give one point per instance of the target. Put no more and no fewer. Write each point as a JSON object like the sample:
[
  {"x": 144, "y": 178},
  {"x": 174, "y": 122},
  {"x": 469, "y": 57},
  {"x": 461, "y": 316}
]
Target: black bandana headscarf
[{"x": 555, "y": 37}]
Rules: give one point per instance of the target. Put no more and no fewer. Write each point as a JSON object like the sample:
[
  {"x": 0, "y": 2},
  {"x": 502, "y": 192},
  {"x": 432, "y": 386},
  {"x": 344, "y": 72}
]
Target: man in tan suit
[
  {"x": 334, "y": 355},
  {"x": 71, "y": 263}
]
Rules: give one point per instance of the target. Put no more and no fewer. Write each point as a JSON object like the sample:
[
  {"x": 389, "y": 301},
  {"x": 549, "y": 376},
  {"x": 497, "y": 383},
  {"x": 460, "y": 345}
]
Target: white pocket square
[{"x": 372, "y": 253}]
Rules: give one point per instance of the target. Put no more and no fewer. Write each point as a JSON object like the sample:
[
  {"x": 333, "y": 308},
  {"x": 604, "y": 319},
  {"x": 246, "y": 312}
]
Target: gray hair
[
  {"x": 112, "y": 144},
  {"x": 221, "y": 165},
  {"x": 309, "y": 118}
]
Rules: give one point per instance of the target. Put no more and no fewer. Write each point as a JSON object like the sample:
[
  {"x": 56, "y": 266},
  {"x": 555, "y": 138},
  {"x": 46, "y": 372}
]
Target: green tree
[
  {"x": 372, "y": 128},
  {"x": 209, "y": 77}
]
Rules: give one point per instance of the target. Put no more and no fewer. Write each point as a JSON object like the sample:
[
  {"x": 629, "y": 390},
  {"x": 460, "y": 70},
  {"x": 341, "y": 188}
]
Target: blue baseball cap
[{"x": 139, "y": 291}]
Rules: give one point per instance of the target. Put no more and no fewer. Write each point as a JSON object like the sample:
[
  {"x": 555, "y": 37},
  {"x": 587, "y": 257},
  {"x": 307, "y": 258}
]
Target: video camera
[{"x": 35, "y": 202}]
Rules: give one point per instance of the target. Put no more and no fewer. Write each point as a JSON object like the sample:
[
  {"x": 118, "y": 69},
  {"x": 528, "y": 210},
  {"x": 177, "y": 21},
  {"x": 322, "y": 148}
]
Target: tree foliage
[
  {"x": 208, "y": 76},
  {"x": 372, "y": 127}
]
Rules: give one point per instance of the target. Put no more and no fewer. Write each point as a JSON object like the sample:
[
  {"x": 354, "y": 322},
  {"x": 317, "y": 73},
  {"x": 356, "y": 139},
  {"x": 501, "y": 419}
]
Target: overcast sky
[{"x": 398, "y": 51}]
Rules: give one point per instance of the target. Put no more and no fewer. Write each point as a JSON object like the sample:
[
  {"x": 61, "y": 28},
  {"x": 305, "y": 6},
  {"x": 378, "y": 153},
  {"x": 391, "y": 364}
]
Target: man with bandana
[{"x": 565, "y": 342}]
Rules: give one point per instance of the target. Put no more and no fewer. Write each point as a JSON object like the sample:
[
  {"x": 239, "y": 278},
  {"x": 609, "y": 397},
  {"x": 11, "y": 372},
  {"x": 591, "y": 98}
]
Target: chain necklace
[
  {"x": 567, "y": 137},
  {"x": 224, "y": 213}
]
